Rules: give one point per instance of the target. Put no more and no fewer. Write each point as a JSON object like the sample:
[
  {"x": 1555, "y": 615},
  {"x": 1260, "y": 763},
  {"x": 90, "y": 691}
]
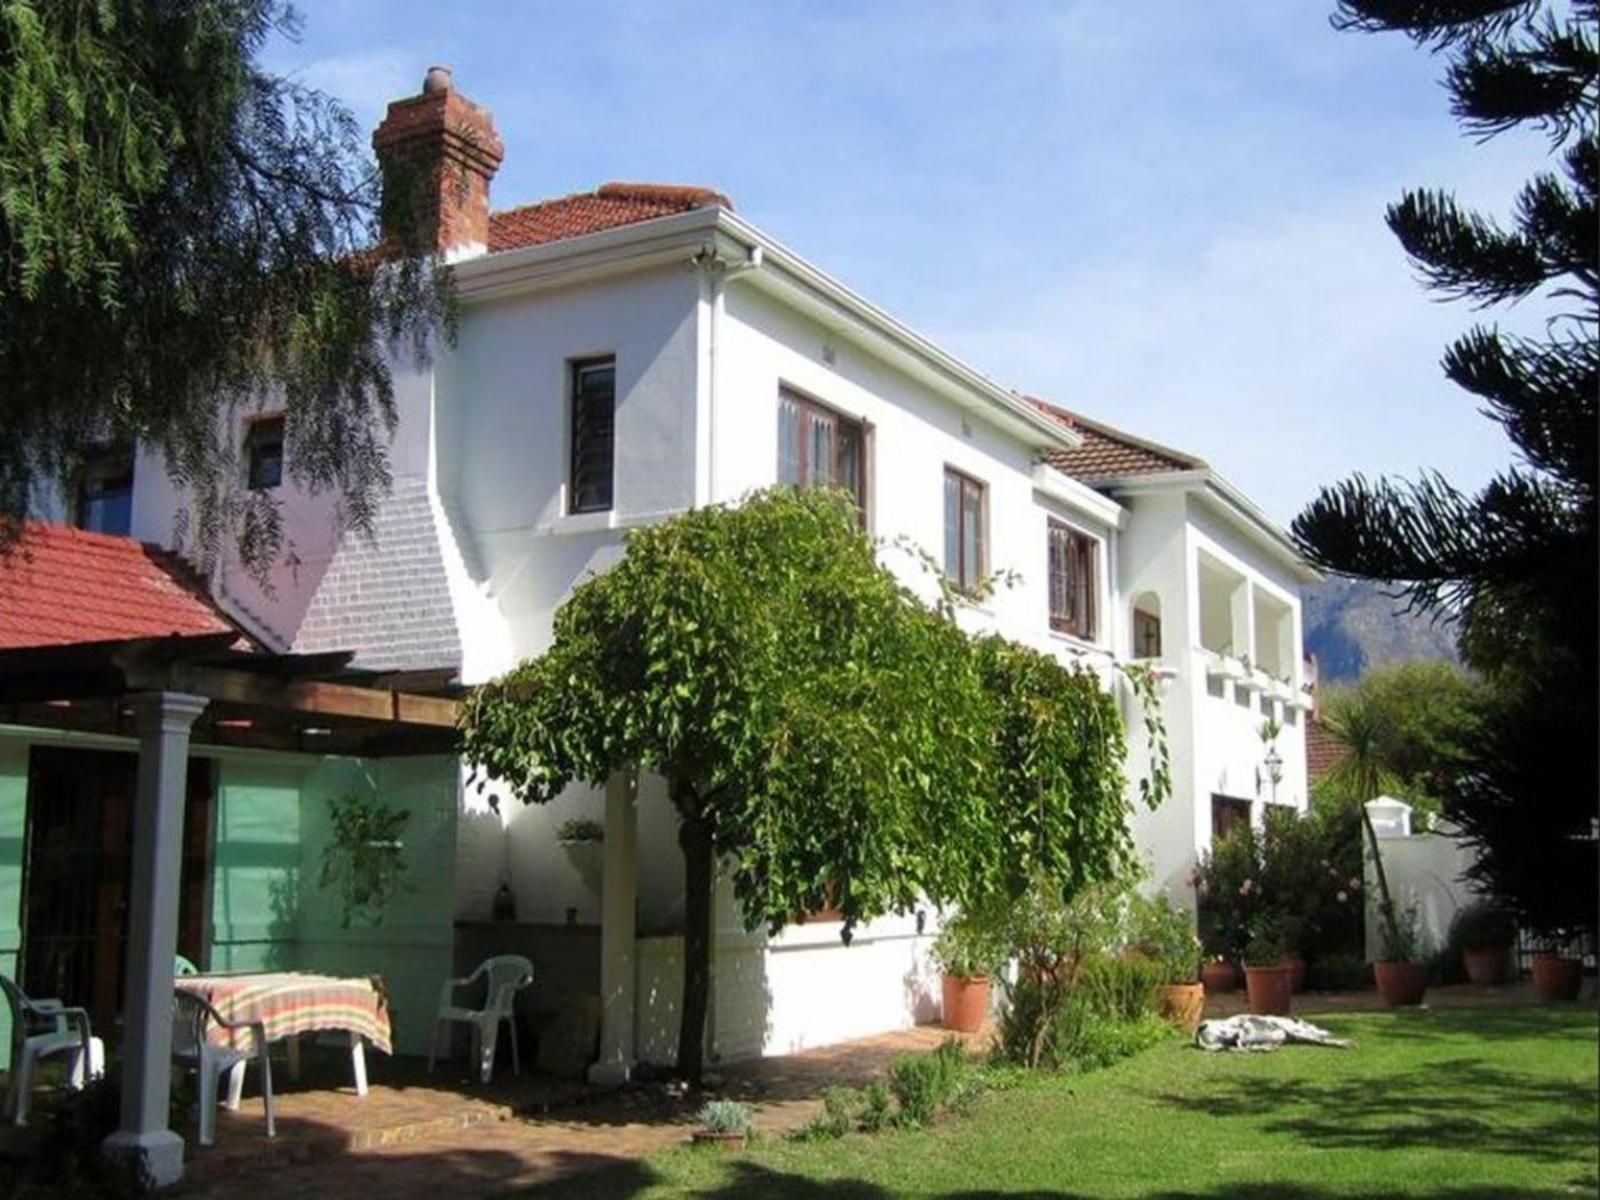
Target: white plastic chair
[
  {"x": 181, "y": 966},
  {"x": 40, "y": 1028},
  {"x": 505, "y": 975},
  {"x": 192, "y": 1018}
]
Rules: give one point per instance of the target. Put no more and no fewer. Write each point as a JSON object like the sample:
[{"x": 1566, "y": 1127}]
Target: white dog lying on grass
[{"x": 1248, "y": 1032}]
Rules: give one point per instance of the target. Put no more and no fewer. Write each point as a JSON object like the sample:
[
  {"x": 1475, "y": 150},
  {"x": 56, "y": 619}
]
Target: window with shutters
[
  {"x": 105, "y": 491},
  {"x": 965, "y": 529},
  {"x": 818, "y": 447},
  {"x": 594, "y": 401},
  {"x": 263, "y": 452},
  {"x": 1073, "y": 582}
]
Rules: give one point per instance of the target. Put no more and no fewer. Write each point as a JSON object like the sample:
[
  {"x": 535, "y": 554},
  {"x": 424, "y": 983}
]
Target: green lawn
[{"x": 1486, "y": 1104}]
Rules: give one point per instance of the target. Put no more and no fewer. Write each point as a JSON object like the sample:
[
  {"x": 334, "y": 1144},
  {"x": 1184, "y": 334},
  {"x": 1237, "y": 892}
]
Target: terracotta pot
[
  {"x": 1401, "y": 984},
  {"x": 1182, "y": 1004},
  {"x": 1487, "y": 964},
  {"x": 1297, "y": 971},
  {"x": 1219, "y": 977},
  {"x": 966, "y": 1002},
  {"x": 724, "y": 1140},
  {"x": 1556, "y": 978},
  {"x": 1270, "y": 989}
]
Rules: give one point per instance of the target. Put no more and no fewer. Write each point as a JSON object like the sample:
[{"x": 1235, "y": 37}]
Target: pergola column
[
  {"x": 618, "y": 976},
  {"x": 163, "y": 719}
]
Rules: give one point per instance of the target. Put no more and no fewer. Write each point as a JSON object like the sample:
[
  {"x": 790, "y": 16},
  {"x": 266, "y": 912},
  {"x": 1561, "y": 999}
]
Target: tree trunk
[{"x": 694, "y": 838}]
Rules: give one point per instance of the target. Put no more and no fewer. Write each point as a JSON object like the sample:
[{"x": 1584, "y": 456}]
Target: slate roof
[
  {"x": 387, "y": 599},
  {"x": 60, "y": 586},
  {"x": 607, "y": 207},
  {"x": 1108, "y": 453}
]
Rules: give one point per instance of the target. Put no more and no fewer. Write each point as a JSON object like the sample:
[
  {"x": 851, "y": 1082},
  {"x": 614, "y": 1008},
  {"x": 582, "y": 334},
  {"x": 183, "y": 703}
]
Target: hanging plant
[{"x": 364, "y": 856}]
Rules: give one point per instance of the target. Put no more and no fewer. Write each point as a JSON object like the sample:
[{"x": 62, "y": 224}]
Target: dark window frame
[
  {"x": 812, "y": 412},
  {"x": 598, "y": 495},
  {"x": 964, "y": 575},
  {"x": 104, "y": 462},
  {"x": 257, "y": 438},
  {"x": 1074, "y": 607},
  {"x": 1146, "y": 634}
]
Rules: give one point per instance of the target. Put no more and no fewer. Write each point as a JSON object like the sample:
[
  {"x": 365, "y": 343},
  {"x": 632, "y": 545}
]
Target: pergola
[{"x": 170, "y": 693}]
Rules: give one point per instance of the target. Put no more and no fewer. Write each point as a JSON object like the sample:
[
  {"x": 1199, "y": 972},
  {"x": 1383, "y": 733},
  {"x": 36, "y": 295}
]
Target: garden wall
[{"x": 1424, "y": 868}]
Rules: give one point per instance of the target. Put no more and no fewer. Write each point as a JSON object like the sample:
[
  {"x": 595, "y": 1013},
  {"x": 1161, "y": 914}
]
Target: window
[
  {"x": 1146, "y": 634},
  {"x": 1227, "y": 814},
  {"x": 105, "y": 493},
  {"x": 1072, "y": 581},
  {"x": 964, "y": 529},
  {"x": 594, "y": 403},
  {"x": 263, "y": 453},
  {"x": 819, "y": 448}
]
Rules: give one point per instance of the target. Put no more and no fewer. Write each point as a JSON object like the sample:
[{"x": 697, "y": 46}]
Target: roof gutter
[{"x": 1233, "y": 504}]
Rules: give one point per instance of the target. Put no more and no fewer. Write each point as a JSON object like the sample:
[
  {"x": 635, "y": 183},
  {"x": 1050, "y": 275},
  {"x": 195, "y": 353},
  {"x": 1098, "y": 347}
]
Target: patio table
[{"x": 291, "y": 1003}]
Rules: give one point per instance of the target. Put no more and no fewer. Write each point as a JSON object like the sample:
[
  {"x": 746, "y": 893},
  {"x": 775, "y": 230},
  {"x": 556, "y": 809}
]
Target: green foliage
[
  {"x": 1106, "y": 1013},
  {"x": 970, "y": 945},
  {"x": 580, "y": 829},
  {"x": 1403, "y": 939},
  {"x": 725, "y": 1116},
  {"x": 1483, "y": 925},
  {"x": 1165, "y": 933},
  {"x": 831, "y": 739},
  {"x": 876, "y": 1112},
  {"x": 1267, "y": 945},
  {"x": 924, "y": 1085},
  {"x": 364, "y": 858},
  {"x": 1227, "y": 881},
  {"x": 185, "y": 237},
  {"x": 1515, "y": 564}
]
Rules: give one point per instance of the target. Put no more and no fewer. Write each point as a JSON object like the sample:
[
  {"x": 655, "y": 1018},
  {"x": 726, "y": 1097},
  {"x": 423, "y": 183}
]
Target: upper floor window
[
  {"x": 1147, "y": 626},
  {"x": 1073, "y": 582},
  {"x": 263, "y": 453},
  {"x": 819, "y": 448},
  {"x": 594, "y": 402},
  {"x": 105, "y": 492},
  {"x": 965, "y": 529}
]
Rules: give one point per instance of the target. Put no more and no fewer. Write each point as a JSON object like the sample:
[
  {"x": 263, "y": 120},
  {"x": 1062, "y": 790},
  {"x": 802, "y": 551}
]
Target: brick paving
[{"x": 416, "y": 1136}]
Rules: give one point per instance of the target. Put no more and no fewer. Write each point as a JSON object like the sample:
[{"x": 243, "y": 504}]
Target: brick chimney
[{"x": 437, "y": 152}]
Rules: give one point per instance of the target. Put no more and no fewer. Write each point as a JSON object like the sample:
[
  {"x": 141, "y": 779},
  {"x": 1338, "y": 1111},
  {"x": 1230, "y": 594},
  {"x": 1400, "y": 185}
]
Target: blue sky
[{"x": 1164, "y": 214}]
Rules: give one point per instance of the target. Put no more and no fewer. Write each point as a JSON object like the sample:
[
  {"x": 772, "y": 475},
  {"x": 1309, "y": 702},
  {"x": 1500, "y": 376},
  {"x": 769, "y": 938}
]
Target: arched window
[{"x": 1147, "y": 625}]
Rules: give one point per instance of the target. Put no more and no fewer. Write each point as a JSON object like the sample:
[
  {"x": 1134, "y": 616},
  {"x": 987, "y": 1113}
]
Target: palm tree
[{"x": 1362, "y": 775}]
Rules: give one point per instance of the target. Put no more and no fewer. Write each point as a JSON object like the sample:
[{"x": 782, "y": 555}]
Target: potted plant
[
  {"x": 1165, "y": 934},
  {"x": 968, "y": 955},
  {"x": 1485, "y": 932},
  {"x": 1556, "y": 976},
  {"x": 724, "y": 1123},
  {"x": 1266, "y": 980},
  {"x": 583, "y": 839},
  {"x": 1400, "y": 970}
]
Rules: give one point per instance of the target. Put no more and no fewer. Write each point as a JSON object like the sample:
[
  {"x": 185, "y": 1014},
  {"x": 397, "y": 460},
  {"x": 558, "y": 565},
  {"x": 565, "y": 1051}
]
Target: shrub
[
  {"x": 1483, "y": 925},
  {"x": 1107, "y": 1013},
  {"x": 970, "y": 945},
  {"x": 67, "y": 1163},
  {"x": 725, "y": 1116},
  {"x": 875, "y": 1110},
  {"x": 924, "y": 1085},
  {"x": 1266, "y": 947},
  {"x": 1165, "y": 933},
  {"x": 1339, "y": 973}
]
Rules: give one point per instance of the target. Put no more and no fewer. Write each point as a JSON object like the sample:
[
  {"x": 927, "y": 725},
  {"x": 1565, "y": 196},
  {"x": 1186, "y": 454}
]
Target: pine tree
[
  {"x": 1515, "y": 564},
  {"x": 182, "y": 234}
]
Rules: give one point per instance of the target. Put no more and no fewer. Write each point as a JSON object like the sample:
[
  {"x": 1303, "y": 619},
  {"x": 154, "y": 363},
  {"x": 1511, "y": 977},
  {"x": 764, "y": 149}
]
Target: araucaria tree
[
  {"x": 1515, "y": 563},
  {"x": 182, "y": 233},
  {"x": 824, "y": 736}
]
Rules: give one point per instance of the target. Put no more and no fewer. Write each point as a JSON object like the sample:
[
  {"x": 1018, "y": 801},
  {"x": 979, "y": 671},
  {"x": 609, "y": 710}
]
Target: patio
[{"x": 417, "y": 1135}]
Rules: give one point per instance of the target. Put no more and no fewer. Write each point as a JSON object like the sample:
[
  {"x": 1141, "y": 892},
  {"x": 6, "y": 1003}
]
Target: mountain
[{"x": 1352, "y": 626}]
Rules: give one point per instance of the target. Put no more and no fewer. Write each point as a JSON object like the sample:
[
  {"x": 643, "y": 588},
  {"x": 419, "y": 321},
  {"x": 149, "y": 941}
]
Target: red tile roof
[
  {"x": 1109, "y": 453},
  {"x": 607, "y": 207},
  {"x": 60, "y": 586}
]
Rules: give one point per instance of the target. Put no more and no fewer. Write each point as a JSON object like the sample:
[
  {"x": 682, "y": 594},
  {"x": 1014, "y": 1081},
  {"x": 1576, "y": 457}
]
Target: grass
[{"x": 1456, "y": 1104}]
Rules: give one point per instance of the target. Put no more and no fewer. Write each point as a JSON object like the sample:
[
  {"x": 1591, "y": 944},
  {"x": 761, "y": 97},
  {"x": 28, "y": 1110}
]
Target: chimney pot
[{"x": 438, "y": 79}]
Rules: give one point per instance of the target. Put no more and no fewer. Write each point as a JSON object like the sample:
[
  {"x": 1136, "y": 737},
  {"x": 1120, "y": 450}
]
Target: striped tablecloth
[{"x": 289, "y": 1003}]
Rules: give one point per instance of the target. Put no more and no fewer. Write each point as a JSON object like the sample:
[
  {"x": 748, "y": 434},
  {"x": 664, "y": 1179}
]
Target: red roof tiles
[
  {"x": 1109, "y": 453},
  {"x": 607, "y": 207},
  {"x": 60, "y": 586}
]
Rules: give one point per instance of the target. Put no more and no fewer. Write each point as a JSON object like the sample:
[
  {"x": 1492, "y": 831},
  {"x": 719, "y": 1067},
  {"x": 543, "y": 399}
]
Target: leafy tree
[
  {"x": 181, "y": 234},
  {"x": 1516, "y": 562},
  {"x": 821, "y": 731}
]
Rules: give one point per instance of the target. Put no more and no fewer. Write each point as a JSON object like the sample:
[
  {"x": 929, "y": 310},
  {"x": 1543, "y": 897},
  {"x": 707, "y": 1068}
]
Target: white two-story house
[{"x": 623, "y": 355}]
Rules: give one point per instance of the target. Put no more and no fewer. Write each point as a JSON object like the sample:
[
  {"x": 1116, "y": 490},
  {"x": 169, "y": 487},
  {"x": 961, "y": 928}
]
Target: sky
[{"x": 1162, "y": 214}]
